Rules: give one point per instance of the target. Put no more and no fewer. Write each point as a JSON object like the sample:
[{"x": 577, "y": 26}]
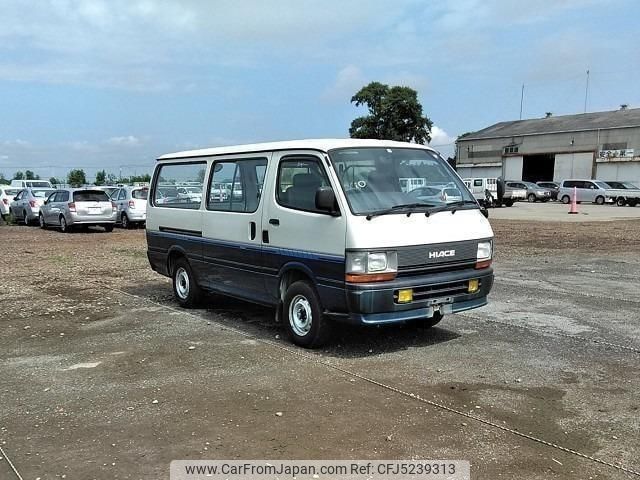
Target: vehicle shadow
[{"x": 347, "y": 341}]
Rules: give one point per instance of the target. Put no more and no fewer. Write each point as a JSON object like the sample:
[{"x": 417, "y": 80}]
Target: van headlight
[
  {"x": 483, "y": 258},
  {"x": 371, "y": 266},
  {"x": 484, "y": 251}
]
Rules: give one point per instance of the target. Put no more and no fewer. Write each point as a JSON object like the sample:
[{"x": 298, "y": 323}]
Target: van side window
[
  {"x": 179, "y": 185},
  {"x": 236, "y": 185},
  {"x": 298, "y": 181},
  {"x": 477, "y": 183}
]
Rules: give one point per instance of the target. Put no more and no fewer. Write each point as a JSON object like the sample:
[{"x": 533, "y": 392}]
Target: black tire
[
  {"x": 64, "y": 227},
  {"x": 633, "y": 203},
  {"x": 429, "y": 322},
  {"x": 508, "y": 203},
  {"x": 599, "y": 200},
  {"x": 43, "y": 224},
  {"x": 108, "y": 228},
  {"x": 566, "y": 199},
  {"x": 185, "y": 286},
  {"x": 621, "y": 201},
  {"x": 303, "y": 317},
  {"x": 531, "y": 198},
  {"x": 124, "y": 220}
]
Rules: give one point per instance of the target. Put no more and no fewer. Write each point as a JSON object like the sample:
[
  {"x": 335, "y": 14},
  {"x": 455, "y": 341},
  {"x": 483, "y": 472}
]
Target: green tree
[
  {"x": 101, "y": 177},
  {"x": 394, "y": 114},
  {"x": 3, "y": 180},
  {"x": 112, "y": 179},
  {"x": 29, "y": 175},
  {"x": 54, "y": 181},
  {"x": 18, "y": 176},
  {"x": 76, "y": 177}
]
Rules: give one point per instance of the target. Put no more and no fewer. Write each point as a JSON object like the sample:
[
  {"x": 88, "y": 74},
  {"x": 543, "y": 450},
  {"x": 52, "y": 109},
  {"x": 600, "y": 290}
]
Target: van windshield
[{"x": 377, "y": 178}]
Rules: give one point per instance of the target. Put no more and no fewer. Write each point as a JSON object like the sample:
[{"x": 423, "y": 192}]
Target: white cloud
[
  {"x": 440, "y": 138},
  {"x": 128, "y": 141},
  {"x": 348, "y": 81},
  {"x": 16, "y": 143}
]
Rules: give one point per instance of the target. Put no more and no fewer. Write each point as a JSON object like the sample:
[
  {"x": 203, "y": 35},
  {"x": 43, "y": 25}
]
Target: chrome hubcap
[
  {"x": 63, "y": 223},
  {"x": 300, "y": 316},
  {"x": 182, "y": 283}
]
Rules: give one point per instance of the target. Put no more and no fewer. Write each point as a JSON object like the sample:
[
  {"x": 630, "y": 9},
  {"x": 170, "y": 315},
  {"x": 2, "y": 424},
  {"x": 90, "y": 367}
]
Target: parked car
[
  {"x": 72, "y": 207},
  {"x": 131, "y": 205},
  {"x": 593, "y": 191},
  {"x": 624, "y": 193},
  {"x": 534, "y": 192},
  {"x": 109, "y": 189},
  {"x": 6, "y": 197},
  {"x": 20, "y": 184},
  {"x": 552, "y": 186},
  {"x": 485, "y": 190},
  {"x": 26, "y": 204},
  {"x": 314, "y": 246}
]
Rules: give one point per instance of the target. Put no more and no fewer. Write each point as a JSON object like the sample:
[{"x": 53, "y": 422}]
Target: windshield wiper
[
  {"x": 453, "y": 206},
  {"x": 402, "y": 206}
]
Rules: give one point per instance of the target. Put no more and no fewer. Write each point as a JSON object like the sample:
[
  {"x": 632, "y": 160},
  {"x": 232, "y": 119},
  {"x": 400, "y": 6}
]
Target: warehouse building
[{"x": 601, "y": 145}]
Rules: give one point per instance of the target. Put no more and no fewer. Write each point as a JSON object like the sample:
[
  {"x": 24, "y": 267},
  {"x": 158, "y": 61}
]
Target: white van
[
  {"x": 323, "y": 231},
  {"x": 593, "y": 191},
  {"x": 30, "y": 184}
]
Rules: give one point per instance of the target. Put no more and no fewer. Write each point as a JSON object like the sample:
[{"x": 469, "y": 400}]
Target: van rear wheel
[
  {"x": 566, "y": 199},
  {"x": 185, "y": 286},
  {"x": 306, "y": 325},
  {"x": 600, "y": 200}
]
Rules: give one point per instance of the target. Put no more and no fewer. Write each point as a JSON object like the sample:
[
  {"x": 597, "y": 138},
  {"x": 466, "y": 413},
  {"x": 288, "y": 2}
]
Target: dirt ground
[{"x": 103, "y": 376}]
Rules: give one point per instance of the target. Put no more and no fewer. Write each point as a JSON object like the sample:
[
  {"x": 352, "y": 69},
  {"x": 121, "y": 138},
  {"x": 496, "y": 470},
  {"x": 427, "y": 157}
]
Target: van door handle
[
  {"x": 274, "y": 221},
  {"x": 252, "y": 230}
]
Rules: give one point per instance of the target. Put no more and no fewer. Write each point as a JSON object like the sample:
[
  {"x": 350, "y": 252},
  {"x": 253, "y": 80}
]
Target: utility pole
[
  {"x": 586, "y": 93},
  {"x": 521, "y": 100}
]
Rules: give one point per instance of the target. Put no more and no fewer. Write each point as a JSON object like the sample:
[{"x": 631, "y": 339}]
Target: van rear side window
[{"x": 179, "y": 185}]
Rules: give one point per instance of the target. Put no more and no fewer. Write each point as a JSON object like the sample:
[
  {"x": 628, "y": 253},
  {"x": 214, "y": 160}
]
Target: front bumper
[{"x": 443, "y": 292}]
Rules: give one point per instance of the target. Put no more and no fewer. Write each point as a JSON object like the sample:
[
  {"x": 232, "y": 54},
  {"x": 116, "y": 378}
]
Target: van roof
[{"x": 323, "y": 145}]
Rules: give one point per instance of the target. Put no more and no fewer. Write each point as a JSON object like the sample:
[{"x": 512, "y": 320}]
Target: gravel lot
[{"x": 102, "y": 376}]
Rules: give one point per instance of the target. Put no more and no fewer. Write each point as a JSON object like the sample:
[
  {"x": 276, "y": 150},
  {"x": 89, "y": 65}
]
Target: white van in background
[
  {"x": 30, "y": 184},
  {"x": 593, "y": 191},
  {"x": 323, "y": 231}
]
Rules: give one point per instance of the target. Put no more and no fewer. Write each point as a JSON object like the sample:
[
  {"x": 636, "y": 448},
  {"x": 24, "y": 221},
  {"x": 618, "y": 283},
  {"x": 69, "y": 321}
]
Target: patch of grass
[{"x": 130, "y": 252}]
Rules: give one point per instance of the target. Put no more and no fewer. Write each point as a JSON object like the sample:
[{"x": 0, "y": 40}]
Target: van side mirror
[
  {"x": 484, "y": 211},
  {"x": 44, "y": 203},
  {"x": 326, "y": 201}
]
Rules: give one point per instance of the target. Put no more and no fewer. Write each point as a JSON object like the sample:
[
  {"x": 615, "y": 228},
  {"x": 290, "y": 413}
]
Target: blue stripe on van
[{"x": 267, "y": 249}]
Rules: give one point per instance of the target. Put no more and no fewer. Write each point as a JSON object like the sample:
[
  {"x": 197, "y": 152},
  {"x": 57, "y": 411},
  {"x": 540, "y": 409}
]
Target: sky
[{"x": 113, "y": 84}]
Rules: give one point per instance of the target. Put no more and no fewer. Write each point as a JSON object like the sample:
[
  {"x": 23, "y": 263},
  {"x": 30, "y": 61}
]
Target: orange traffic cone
[{"x": 574, "y": 202}]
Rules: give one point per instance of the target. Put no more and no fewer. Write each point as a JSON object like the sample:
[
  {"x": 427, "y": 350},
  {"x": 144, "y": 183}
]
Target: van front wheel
[
  {"x": 599, "y": 200},
  {"x": 305, "y": 322},
  {"x": 185, "y": 286}
]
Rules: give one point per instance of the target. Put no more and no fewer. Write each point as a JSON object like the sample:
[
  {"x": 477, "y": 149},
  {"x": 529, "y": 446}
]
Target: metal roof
[
  {"x": 323, "y": 145},
  {"x": 563, "y": 123}
]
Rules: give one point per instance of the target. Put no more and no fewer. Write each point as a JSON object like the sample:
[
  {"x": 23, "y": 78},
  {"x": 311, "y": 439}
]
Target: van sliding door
[{"x": 232, "y": 225}]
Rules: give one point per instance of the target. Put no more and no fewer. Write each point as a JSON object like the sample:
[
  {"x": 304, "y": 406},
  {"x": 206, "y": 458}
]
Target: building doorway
[{"x": 538, "y": 168}]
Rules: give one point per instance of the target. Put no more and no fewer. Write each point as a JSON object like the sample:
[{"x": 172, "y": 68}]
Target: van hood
[{"x": 388, "y": 231}]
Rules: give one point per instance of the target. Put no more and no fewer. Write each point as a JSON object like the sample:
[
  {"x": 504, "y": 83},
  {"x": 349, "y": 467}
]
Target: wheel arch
[
  {"x": 173, "y": 255},
  {"x": 293, "y": 272}
]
